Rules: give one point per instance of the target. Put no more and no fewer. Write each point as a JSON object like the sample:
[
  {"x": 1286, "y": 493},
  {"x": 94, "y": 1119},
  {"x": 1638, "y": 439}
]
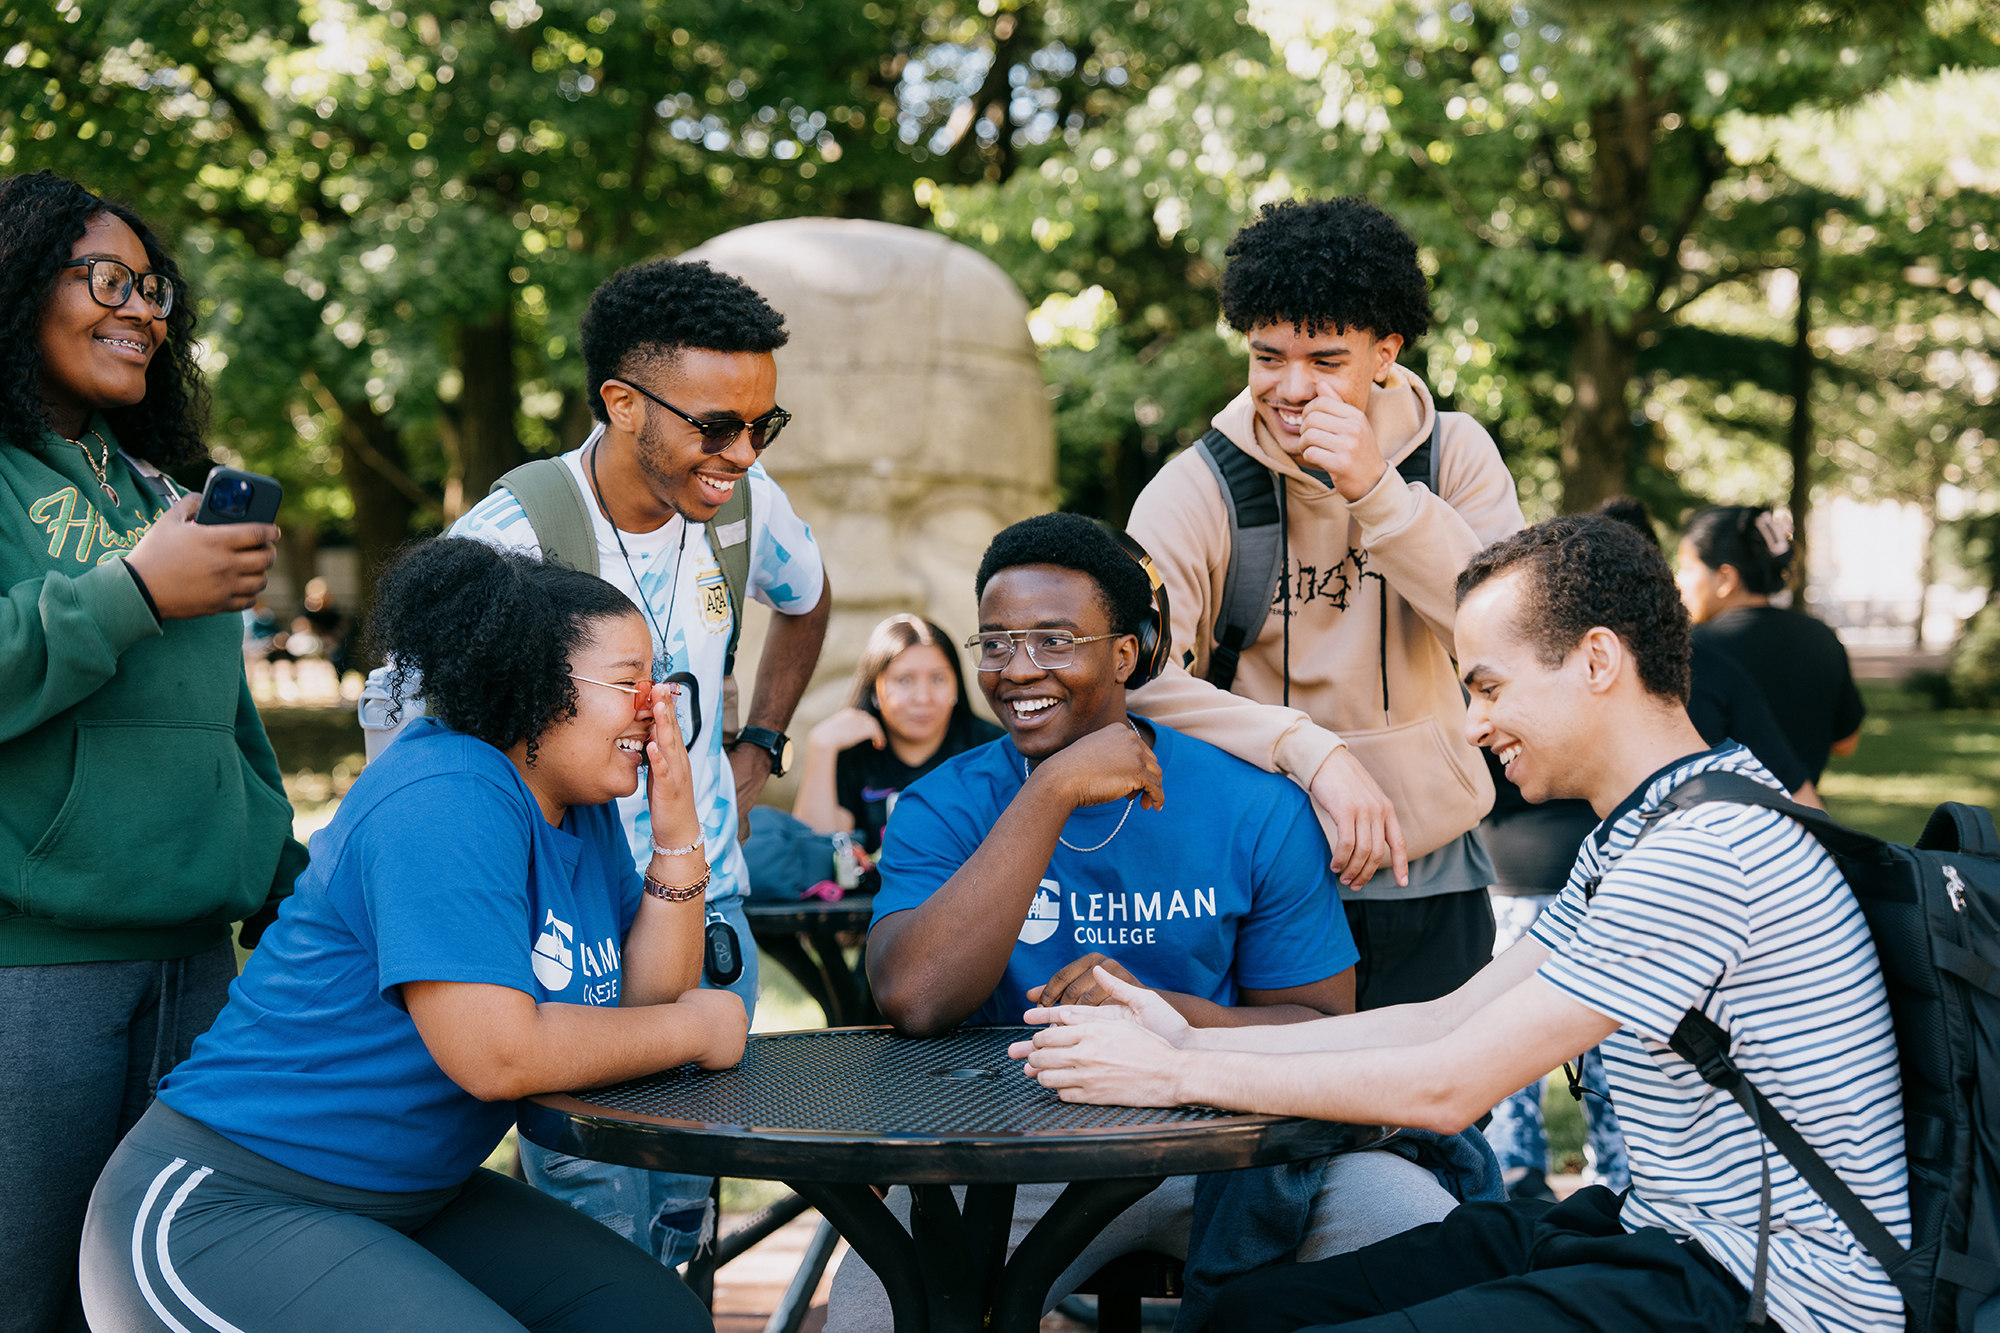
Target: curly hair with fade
[
  {"x": 1333, "y": 264},
  {"x": 649, "y": 312},
  {"x": 42, "y": 216},
  {"x": 1071, "y": 541},
  {"x": 1586, "y": 571},
  {"x": 488, "y": 635}
]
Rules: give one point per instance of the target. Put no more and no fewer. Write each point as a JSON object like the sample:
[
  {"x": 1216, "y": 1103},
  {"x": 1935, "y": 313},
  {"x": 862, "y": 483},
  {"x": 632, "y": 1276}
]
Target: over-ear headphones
[{"x": 1156, "y": 637}]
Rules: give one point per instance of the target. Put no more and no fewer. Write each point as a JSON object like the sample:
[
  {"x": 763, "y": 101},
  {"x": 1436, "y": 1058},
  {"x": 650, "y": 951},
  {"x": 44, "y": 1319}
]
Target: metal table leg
[
  {"x": 791, "y": 1311},
  {"x": 945, "y": 1274}
]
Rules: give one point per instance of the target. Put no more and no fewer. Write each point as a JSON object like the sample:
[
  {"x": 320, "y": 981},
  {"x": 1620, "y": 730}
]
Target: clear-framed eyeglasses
[
  {"x": 1049, "y": 649},
  {"x": 111, "y": 284}
]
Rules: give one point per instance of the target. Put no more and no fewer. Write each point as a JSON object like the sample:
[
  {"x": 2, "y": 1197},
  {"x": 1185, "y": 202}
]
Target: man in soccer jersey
[{"x": 1574, "y": 649}]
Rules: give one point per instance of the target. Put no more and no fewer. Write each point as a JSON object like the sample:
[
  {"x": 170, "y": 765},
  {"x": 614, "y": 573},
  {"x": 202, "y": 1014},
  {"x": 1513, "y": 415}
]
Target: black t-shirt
[
  {"x": 1725, "y": 702},
  {"x": 1801, "y": 667},
  {"x": 866, "y": 781},
  {"x": 1532, "y": 846}
]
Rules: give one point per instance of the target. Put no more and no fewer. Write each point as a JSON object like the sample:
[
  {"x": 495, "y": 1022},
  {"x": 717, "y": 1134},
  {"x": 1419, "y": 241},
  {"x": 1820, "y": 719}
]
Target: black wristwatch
[{"x": 774, "y": 743}]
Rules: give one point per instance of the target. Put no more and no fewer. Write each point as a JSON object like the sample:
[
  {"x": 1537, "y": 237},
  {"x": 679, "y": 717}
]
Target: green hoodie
[{"x": 141, "y": 808}]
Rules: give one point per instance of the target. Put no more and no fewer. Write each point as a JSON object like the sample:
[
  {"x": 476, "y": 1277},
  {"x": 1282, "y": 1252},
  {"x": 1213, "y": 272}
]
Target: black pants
[
  {"x": 1523, "y": 1265},
  {"x": 1417, "y": 949}
]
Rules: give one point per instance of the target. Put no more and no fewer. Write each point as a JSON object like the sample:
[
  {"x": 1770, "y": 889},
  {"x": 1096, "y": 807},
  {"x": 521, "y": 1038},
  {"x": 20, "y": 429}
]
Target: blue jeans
[
  {"x": 667, "y": 1216},
  {"x": 1517, "y": 1132}
]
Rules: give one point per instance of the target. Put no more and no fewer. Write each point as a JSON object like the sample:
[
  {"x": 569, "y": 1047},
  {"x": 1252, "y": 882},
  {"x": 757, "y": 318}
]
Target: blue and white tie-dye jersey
[{"x": 692, "y": 610}]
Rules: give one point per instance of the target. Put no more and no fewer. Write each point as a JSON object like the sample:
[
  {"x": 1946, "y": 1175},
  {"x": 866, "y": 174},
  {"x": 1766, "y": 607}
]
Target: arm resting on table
[{"x": 499, "y": 1045}]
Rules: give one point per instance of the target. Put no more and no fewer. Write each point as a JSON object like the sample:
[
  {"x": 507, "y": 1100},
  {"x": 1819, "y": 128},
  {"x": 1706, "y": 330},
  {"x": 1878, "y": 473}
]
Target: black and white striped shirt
[{"x": 1739, "y": 912}]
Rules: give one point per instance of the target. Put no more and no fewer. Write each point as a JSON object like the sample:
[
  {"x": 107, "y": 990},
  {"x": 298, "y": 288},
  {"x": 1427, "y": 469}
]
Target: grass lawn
[{"x": 1911, "y": 758}]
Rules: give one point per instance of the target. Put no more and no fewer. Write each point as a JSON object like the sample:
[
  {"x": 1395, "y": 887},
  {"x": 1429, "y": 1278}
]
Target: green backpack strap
[
  {"x": 556, "y": 510},
  {"x": 729, "y": 539}
]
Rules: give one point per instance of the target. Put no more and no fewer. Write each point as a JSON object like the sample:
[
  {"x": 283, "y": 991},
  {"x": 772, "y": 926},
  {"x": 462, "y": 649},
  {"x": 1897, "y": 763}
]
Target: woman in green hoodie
[{"x": 141, "y": 808}]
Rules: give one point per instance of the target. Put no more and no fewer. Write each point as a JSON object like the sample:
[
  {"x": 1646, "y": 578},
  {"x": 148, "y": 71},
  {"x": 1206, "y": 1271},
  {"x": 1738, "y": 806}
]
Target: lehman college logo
[
  {"x": 1044, "y": 915},
  {"x": 553, "y": 960}
]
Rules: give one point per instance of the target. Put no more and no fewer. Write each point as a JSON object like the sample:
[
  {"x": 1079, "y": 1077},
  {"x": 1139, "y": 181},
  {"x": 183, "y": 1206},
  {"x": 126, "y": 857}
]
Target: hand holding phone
[
  {"x": 192, "y": 568},
  {"x": 232, "y": 496}
]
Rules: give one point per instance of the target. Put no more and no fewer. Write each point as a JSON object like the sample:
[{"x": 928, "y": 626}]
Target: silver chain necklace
[{"x": 1027, "y": 772}]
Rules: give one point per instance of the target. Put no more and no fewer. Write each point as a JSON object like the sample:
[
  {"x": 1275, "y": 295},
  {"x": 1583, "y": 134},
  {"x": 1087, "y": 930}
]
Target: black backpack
[
  {"x": 1255, "y": 497},
  {"x": 1934, "y": 910}
]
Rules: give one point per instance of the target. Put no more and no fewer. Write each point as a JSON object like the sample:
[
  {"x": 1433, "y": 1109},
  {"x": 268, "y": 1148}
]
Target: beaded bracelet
[
  {"x": 675, "y": 893},
  {"x": 694, "y": 846}
]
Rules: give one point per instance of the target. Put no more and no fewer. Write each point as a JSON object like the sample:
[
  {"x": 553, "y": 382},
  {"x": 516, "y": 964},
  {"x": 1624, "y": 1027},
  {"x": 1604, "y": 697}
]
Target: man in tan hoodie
[{"x": 1348, "y": 687}]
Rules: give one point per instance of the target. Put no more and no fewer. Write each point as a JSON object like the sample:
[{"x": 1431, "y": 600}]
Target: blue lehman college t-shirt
[
  {"x": 438, "y": 867},
  {"x": 1225, "y": 889}
]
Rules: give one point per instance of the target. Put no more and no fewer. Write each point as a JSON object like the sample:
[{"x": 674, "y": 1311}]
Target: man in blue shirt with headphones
[{"x": 1089, "y": 838}]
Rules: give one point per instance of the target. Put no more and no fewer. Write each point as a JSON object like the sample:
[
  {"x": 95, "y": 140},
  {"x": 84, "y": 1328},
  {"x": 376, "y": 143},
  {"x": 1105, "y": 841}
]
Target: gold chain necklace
[{"x": 100, "y": 465}]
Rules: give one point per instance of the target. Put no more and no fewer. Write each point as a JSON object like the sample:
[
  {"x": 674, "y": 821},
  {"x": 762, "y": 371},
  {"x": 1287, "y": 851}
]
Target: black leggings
[
  {"x": 1523, "y": 1266},
  {"x": 187, "y": 1230}
]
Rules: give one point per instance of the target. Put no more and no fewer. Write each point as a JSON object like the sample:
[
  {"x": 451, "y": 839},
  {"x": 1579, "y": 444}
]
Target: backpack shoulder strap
[
  {"x": 729, "y": 538},
  {"x": 1250, "y": 490},
  {"x": 1742, "y": 789},
  {"x": 1421, "y": 463},
  {"x": 556, "y": 510}
]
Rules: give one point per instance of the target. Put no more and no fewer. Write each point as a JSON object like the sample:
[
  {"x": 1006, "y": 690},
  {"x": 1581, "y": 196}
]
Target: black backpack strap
[
  {"x": 1956, "y": 827},
  {"x": 1703, "y": 1043},
  {"x": 1256, "y": 550},
  {"x": 1421, "y": 463},
  {"x": 1742, "y": 789}
]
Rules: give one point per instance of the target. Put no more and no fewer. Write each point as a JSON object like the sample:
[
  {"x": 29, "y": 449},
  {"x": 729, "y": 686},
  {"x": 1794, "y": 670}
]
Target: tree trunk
[
  {"x": 1597, "y": 429},
  {"x": 487, "y": 444},
  {"x": 1800, "y": 440},
  {"x": 299, "y": 550},
  {"x": 382, "y": 511}
]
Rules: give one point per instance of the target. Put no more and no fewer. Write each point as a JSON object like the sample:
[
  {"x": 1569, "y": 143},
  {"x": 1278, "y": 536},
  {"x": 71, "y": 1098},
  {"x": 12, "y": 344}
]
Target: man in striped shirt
[{"x": 1575, "y": 651}]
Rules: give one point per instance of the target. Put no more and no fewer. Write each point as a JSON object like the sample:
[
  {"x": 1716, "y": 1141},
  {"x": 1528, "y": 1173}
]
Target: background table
[
  {"x": 831, "y": 1113},
  {"x": 804, "y": 937}
]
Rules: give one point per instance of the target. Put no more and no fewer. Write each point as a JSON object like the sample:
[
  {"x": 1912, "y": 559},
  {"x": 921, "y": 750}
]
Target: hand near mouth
[
  {"x": 669, "y": 778},
  {"x": 1337, "y": 438}
]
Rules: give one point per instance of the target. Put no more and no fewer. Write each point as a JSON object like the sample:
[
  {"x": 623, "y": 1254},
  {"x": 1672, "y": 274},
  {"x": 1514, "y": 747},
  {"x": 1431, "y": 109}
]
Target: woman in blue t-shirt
[{"x": 470, "y": 931}]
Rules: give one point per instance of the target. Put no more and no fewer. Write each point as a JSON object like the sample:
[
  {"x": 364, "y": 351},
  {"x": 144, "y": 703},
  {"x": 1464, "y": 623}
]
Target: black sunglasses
[
  {"x": 718, "y": 433},
  {"x": 111, "y": 284}
]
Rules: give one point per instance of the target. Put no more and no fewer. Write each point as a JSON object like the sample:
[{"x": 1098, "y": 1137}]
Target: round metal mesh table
[
  {"x": 864, "y": 1104},
  {"x": 833, "y": 1113}
]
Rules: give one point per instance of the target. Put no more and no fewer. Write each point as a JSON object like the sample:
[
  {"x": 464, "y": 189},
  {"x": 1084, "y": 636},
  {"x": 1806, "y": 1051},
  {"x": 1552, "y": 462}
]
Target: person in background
[
  {"x": 329, "y": 623},
  {"x": 1732, "y": 559},
  {"x": 470, "y": 931},
  {"x": 121, "y": 678},
  {"x": 909, "y": 713}
]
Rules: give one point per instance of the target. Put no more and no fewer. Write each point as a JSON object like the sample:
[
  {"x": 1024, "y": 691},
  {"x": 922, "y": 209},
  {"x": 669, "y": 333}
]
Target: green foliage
[{"x": 1975, "y": 662}]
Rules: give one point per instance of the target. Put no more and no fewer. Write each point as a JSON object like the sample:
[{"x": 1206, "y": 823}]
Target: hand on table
[
  {"x": 1120, "y": 1001},
  {"x": 198, "y": 569},
  {"x": 1336, "y": 436},
  {"x": 1109, "y": 764},
  {"x": 1109, "y": 1063},
  {"x": 1077, "y": 984},
  {"x": 720, "y": 1017},
  {"x": 1367, "y": 835}
]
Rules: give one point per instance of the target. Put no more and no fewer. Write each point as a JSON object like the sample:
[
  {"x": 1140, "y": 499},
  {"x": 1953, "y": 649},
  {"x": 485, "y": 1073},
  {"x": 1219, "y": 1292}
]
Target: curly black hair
[
  {"x": 653, "y": 310},
  {"x": 1631, "y": 511},
  {"x": 42, "y": 216},
  {"x": 1333, "y": 264},
  {"x": 1728, "y": 535},
  {"x": 489, "y": 634},
  {"x": 1071, "y": 541},
  {"x": 1585, "y": 571}
]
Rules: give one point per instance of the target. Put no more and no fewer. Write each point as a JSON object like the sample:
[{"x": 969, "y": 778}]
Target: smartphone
[{"x": 239, "y": 497}]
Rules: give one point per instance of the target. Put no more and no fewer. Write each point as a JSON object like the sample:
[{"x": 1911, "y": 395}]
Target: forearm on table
[
  {"x": 499, "y": 1044},
  {"x": 935, "y": 964},
  {"x": 791, "y": 651}
]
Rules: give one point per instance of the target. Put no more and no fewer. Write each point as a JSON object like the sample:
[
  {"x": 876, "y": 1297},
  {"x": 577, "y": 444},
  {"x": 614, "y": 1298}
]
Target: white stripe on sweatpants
[
  {"x": 139, "y": 1247},
  {"x": 206, "y": 1315}
]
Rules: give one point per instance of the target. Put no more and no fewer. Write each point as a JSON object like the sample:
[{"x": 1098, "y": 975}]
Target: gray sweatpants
[
  {"x": 82, "y": 1046},
  {"x": 1366, "y": 1197},
  {"x": 190, "y": 1231}
]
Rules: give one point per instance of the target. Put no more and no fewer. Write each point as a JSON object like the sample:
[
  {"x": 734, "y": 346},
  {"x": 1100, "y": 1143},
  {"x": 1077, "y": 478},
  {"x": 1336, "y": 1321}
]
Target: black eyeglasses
[
  {"x": 718, "y": 433},
  {"x": 111, "y": 284}
]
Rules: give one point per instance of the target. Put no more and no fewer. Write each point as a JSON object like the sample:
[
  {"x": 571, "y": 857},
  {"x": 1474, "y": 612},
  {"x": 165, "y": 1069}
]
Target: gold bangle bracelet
[{"x": 675, "y": 893}]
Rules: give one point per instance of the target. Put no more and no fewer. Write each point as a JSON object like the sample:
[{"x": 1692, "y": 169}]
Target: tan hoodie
[{"x": 1400, "y": 542}]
